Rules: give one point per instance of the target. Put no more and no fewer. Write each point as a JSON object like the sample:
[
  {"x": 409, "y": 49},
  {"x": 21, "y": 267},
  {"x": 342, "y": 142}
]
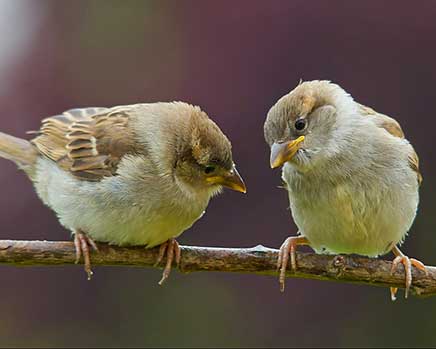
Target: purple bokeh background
[{"x": 234, "y": 59}]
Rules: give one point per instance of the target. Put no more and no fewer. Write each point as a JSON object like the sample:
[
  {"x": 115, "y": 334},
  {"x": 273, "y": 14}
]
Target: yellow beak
[
  {"x": 232, "y": 179},
  {"x": 283, "y": 152}
]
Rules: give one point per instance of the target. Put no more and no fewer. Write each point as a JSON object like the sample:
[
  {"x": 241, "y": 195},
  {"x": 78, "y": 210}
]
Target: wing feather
[
  {"x": 89, "y": 143},
  {"x": 394, "y": 128}
]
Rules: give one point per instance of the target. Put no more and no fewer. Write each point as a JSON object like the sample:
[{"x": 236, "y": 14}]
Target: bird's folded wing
[
  {"x": 394, "y": 128},
  {"x": 89, "y": 142}
]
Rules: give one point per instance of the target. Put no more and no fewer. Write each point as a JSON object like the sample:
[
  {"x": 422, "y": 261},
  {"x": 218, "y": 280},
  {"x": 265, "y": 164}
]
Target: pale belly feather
[
  {"x": 350, "y": 219},
  {"x": 109, "y": 212}
]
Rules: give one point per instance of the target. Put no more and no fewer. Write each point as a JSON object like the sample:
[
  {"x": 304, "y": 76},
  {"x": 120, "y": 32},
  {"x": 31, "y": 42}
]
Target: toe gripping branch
[
  {"x": 173, "y": 252},
  {"x": 287, "y": 250},
  {"x": 407, "y": 263},
  {"x": 82, "y": 243}
]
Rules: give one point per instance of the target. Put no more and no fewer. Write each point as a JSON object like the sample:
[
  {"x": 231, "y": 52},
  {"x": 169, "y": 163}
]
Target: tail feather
[{"x": 18, "y": 150}]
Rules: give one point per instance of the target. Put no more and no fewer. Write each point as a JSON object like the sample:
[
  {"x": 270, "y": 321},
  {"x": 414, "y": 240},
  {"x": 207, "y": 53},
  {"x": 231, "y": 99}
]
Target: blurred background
[{"x": 235, "y": 59}]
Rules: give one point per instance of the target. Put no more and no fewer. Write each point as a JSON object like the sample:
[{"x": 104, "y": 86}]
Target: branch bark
[{"x": 257, "y": 260}]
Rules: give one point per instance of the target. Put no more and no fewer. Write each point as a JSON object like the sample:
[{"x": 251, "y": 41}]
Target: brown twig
[{"x": 256, "y": 260}]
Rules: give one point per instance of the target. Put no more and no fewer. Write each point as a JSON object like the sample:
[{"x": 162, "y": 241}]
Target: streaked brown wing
[
  {"x": 384, "y": 121},
  {"x": 89, "y": 143},
  {"x": 394, "y": 128},
  {"x": 414, "y": 165}
]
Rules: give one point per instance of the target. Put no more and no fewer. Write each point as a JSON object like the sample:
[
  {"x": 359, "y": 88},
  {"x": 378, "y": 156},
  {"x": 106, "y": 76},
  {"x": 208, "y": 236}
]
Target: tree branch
[{"x": 256, "y": 260}]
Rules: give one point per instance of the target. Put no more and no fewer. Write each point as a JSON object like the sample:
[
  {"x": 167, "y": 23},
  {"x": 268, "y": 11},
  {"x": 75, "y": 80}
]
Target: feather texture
[
  {"x": 354, "y": 184},
  {"x": 393, "y": 128},
  {"x": 89, "y": 143}
]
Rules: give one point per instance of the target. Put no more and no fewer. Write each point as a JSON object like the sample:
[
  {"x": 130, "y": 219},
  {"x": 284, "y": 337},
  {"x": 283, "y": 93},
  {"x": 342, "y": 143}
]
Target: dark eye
[
  {"x": 300, "y": 124},
  {"x": 209, "y": 169}
]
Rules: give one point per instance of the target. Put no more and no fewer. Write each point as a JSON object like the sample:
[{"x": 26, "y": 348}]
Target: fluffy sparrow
[
  {"x": 128, "y": 175},
  {"x": 351, "y": 176}
]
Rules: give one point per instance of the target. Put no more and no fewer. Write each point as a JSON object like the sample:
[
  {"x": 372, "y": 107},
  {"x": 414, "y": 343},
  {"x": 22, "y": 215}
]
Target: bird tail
[{"x": 18, "y": 150}]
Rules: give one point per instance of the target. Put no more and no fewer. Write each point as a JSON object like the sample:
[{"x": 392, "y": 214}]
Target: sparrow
[
  {"x": 351, "y": 176},
  {"x": 129, "y": 175}
]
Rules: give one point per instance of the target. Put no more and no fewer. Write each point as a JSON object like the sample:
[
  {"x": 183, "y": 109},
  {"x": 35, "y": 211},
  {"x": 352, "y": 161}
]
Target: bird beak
[
  {"x": 231, "y": 179},
  {"x": 283, "y": 152}
]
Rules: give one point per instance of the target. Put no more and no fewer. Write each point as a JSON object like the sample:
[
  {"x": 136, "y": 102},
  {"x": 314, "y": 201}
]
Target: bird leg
[
  {"x": 82, "y": 242},
  {"x": 172, "y": 249},
  {"x": 288, "y": 249},
  {"x": 407, "y": 263}
]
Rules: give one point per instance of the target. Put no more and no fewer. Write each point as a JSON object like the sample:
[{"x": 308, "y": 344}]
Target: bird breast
[
  {"x": 360, "y": 214},
  {"x": 115, "y": 210}
]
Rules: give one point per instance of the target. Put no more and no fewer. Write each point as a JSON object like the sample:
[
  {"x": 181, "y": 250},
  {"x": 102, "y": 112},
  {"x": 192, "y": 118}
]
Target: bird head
[
  {"x": 301, "y": 127},
  {"x": 204, "y": 159}
]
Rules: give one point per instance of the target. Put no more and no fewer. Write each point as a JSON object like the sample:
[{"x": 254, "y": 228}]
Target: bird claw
[
  {"x": 407, "y": 263},
  {"x": 172, "y": 250},
  {"x": 287, "y": 250},
  {"x": 82, "y": 242}
]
